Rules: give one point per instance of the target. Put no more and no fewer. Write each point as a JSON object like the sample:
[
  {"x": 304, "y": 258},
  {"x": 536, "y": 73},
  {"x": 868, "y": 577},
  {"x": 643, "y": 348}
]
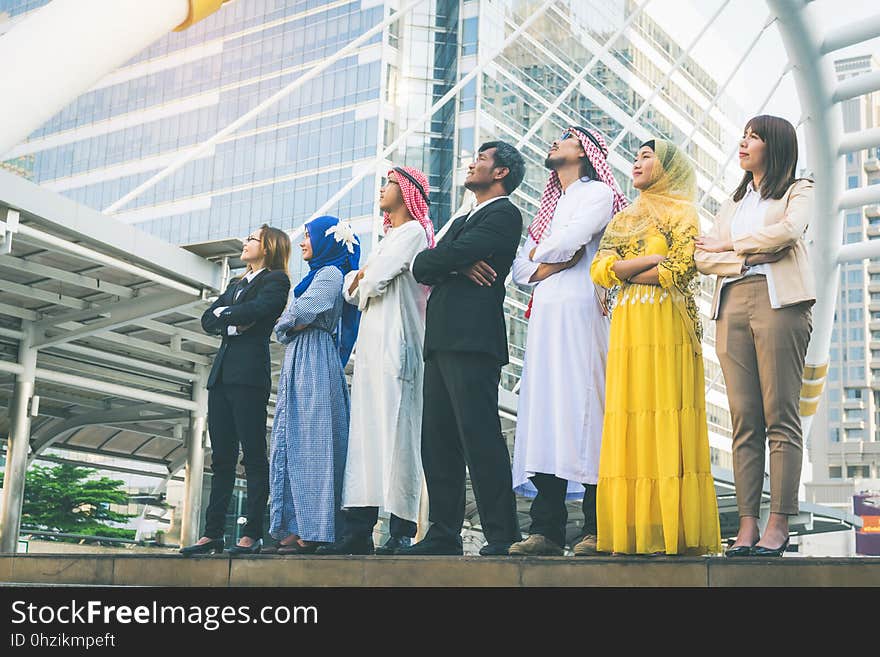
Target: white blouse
[{"x": 749, "y": 218}]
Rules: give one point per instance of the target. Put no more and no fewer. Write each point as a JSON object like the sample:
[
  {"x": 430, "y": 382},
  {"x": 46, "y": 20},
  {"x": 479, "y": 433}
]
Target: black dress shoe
[
  {"x": 393, "y": 544},
  {"x": 740, "y": 550},
  {"x": 760, "y": 551},
  {"x": 254, "y": 548},
  {"x": 214, "y": 546},
  {"x": 360, "y": 545},
  {"x": 495, "y": 550},
  {"x": 431, "y": 547}
]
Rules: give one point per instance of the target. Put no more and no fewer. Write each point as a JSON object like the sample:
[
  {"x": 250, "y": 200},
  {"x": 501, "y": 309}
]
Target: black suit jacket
[
  {"x": 244, "y": 358},
  {"x": 461, "y": 315}
]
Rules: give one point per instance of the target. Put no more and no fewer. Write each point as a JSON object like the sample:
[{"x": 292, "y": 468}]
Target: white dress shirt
[{"x": 749, "y": 218}]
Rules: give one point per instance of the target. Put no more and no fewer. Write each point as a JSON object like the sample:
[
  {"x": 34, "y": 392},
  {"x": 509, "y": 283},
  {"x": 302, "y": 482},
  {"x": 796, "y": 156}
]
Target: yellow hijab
[{"x": 668, "y": 206}]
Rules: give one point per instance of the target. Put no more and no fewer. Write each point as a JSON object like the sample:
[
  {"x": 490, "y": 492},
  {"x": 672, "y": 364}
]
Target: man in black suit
[
  {"x": 465, "y": 348},
  {"x": 239, "y": 386}
]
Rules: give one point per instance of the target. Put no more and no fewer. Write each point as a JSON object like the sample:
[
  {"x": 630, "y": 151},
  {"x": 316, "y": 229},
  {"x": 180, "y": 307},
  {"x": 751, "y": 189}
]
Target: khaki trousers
[{"x": 761, "y": 351}]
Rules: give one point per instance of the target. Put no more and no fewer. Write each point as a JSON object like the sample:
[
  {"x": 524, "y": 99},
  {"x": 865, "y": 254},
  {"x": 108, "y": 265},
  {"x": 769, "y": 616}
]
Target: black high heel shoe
[
  {"x": 760, "y": 551},
  {"x": 214, "y": 546},
  {"x": 254, "y": 548},
  {"x": 741, "y": 550}
]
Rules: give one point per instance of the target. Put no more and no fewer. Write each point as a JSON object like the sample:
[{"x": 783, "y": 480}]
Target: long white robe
[
  {"x": 384, "y": 465},
  {"x": 562, "y": 391}
]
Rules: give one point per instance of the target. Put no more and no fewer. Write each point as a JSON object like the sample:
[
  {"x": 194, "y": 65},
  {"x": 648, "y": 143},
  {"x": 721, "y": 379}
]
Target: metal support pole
[
  {"x": 18, "y": 442},
  {"x": 823, "y": 128},
  {"x": 195, "y": 463}
]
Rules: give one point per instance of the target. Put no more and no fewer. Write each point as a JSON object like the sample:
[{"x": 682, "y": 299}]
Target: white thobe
[
  {"x": 562, "y": 390},
  {"x": 384, "y": 465}
]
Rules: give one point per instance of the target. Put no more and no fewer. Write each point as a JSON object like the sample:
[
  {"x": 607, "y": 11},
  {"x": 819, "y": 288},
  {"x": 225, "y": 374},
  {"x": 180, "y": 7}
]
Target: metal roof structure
[{"x": 104, "y": 319}]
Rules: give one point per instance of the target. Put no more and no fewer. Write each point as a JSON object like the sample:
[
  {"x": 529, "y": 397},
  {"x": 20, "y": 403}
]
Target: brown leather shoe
[
  {"x": 536, "y": 545},
  {"x": 299, "y": 548},
  {"x": 586, "y": 547}
]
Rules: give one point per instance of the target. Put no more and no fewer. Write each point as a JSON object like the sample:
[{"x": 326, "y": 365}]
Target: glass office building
[{"x": 286, "y": 163}]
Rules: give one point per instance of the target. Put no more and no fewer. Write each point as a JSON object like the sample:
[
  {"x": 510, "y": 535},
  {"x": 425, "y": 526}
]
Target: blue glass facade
[{"x": 188, "y": 86}]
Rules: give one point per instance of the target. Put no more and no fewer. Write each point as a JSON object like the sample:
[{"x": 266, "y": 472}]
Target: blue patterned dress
[{"x": 310, "y": 432}]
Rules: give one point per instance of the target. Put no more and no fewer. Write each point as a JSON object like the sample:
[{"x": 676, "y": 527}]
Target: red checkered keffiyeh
[
  {"x": 412, "y": 197},
  {"x": 553, "y": 191}
]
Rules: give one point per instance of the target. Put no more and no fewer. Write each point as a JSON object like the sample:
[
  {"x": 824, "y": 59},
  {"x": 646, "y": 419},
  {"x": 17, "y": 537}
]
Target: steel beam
[
  {"x": 863, "y": 29},
  {"x": 858, "y": 197},
  {"x": 20, "y": 412},
  {"x": 859, "y": 141},
  {"x": 856, "y": 86},
  {"x": 195, "y": 462},
  {"x": 90, "y": 283}
]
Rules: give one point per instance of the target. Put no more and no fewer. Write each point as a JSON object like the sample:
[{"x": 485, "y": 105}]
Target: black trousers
[
  {"x": 548, "y": 512},
  {"x": 360, "y": 520},
  {"x": 237, "y": 416},
  {"x": 460, "y": 427}
]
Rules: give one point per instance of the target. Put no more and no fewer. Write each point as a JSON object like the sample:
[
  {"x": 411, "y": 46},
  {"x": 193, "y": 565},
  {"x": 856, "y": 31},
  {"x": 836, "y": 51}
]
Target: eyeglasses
[{"x": 569, "y": 133}]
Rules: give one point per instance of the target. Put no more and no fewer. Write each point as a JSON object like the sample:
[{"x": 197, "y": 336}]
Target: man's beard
[
  {"x": 553, "y": 163},
  {"x": 474, "y": 186}
]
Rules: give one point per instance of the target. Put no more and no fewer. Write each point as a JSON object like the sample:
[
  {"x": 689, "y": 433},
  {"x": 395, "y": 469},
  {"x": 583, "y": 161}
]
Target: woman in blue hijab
[{"x": 310, "y": 431}]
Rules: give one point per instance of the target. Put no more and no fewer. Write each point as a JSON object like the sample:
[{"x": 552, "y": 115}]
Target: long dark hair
[{"x": 780, "y": 156}]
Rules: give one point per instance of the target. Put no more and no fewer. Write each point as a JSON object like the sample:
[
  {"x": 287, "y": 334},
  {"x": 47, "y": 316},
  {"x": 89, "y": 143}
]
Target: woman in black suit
[{"x": 239, "y": 384}]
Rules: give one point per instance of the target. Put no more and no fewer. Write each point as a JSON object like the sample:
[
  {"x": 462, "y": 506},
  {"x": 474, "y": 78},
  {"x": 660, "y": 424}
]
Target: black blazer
[
  {"x": 244, "y": 359},
  {"x": 461, "y": 315}
]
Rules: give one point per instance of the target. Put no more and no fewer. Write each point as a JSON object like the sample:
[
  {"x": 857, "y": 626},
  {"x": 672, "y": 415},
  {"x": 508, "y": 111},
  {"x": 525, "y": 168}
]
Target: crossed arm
[
  {"x": 717, "y": 256},
  {"x": 493, "y": 234},
  {"x": 268, "y": 303}
]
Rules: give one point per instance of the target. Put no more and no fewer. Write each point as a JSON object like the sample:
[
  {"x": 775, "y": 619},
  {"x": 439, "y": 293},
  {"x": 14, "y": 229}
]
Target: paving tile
[
  {"x": 796, "y": 571},
  {"x": 171, "y": 571},
  {"x": 441, "y": 571},
  {"x": 58, "y": 569},
  {"x": 297, "y": 571},
  {"x": 6, "y": 568},
  {"x": 614, "y": 571}
]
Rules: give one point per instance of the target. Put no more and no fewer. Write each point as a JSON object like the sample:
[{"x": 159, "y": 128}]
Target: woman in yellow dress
[{"x": 656, "y": 493}]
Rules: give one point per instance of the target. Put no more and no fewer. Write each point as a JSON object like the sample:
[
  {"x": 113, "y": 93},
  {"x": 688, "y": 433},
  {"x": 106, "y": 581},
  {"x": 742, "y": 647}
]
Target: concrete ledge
[{"x": 306, "y": 571}]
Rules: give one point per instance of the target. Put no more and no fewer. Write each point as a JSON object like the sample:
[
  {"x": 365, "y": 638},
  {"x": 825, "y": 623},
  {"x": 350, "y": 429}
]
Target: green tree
[{"x": 64, "y": 498}]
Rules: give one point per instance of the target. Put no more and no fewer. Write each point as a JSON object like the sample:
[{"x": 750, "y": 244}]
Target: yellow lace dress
[{"x": 656, "y": 493}]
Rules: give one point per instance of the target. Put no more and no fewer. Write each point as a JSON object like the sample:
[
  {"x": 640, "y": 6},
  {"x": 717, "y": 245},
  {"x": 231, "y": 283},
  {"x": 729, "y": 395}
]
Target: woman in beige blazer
[{"x": 764, "y": 293}]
